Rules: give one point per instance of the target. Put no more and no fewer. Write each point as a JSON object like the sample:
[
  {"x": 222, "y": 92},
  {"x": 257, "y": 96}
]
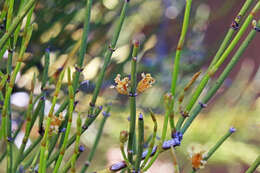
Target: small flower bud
[
  {"x": 123, "y": 136},
  {"x": 232, "y": 130},
  {"x": 81, "y": 148},
  {"x": 202, "y": 105}
]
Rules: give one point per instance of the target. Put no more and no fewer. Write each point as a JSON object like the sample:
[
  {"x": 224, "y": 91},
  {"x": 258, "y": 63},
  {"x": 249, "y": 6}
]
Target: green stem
[
  {"x": 178, "y": 56},
  {"x": 140, "y": 142},
  {"x": 221, "y": 79},
  {"x": 31, "y": 147},
  {"x": 231, "y": 31},
  {"x": 253, "y": 167},
  {"x": 83, "y": 45},
  {"x": 151, "y": 145},
  {"x": 97, "y": 139},
  {"x": 108, "y": 54},
  {"x": 217, "y": 145},
  {"x": 18, "y": 19},
  {"x": 72, "y": 139},
  {"x": 48, "y": 123},
  {"x": 70, "y": 112},
  {"x": 132, "y": 101},
  {"x": 76, "y": 148},
  {"x": 29, "y": 124},
  {"x": 215, "y": 67},
  {"x": 167, "y": 99}
]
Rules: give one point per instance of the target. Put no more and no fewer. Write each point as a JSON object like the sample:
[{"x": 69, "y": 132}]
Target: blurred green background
[{"x": 157, "y": 24}]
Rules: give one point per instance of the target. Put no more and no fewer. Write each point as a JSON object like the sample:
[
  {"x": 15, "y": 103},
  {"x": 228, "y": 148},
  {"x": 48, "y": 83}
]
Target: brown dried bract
[{"x": 145, "y": 83}]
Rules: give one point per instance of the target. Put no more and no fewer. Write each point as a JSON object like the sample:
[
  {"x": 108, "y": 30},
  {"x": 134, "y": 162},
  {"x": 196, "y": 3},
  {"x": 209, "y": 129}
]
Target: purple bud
[
  {"x": 141, "y": 116},
  {"x": 202, "y": 105},
  {"x": 9, "y": 139},
  {"x": 232, "y": 130},
  {"x": 62, "y": 130},
  {"x": 91, "y": 104},
  {"x": 106, "y": 114},
  {"x": 118, "y": 166},
  {"x": 177, "y": 135},
  {"x": 85, "y": 82},
  {"x": 128, "y": 118},
  {"x": 132, "y": 95},
  {"x": 100, "y": 107},
  {"x": 75, "y": 103},
  {"x": 176, "y": 141},
  {"x": 47, "y": 49},
  {"x": 257, "y": 28},
  {"x": 36, "y": 168},
  {"x": 144, "y": 154},
  {"x": 234, "y": 25},
  {"x": 167, "y": 144},
  {"x": 81, "y": 148},
  {"x": 21, "y": 169}
]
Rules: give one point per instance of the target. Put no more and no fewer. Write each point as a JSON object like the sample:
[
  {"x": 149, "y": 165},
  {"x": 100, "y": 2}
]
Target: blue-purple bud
[
  {"x": 202, "y": 105},
  {"x": 9, "y": 139},
  {"x": 106, "y": 114},
  {"x": 47, "y": 49},
  {"x": 21, "y": 169},
  {"x": 141, "y": 116},
  {"x": 62, "y": 130},
  {"x": 81, "y": 148},
  {"x": 177, "y": 135},
  {"x": 118, "y": 166},
  {"x": 232, "y": 130}
]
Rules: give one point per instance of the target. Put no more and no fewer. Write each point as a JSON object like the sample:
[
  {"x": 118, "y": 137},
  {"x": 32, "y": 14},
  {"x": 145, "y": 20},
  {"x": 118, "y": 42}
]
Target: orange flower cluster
[
  {"x": 55, "y": 123},
  {"x": 123, "y": 86},
  {"x": 197, "y": 156},
  {"x": 145, "y": 83}
]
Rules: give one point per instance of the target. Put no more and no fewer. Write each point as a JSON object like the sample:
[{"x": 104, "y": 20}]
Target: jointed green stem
[
  {"x": 215, "y": 67},
  {"x": 177, "y": 58},
  {"x": 28, "y": 126},
  {"x": 109, "y": 53},
  {"x": 132, "y": 101},
  {"x": 86, "y": 124},
  {"x": 47, "y": 128},
  {"x": 83, "y": 45},
  {"x": 76, "y": 148},
  {"x": 151, "y": 145},
  {"x": 70, "y": 112},
  {"x": 97, "y": 139},
  {"x": 253, "y": 167},
  {"x": 217, "y": 145},
  {"x": 123, "y": 139},
  {"x": 231, "y": 31},
  {"x": 221, "y": 79},
  {"x": 15, "y": 22},
  {"x": 140, "y": 142},
  {"x": 167, "y": 100}
]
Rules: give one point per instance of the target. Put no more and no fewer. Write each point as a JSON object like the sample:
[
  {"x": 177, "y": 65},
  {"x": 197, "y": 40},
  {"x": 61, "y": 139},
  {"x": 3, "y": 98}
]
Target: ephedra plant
[{"x": 54, "y": 128}]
